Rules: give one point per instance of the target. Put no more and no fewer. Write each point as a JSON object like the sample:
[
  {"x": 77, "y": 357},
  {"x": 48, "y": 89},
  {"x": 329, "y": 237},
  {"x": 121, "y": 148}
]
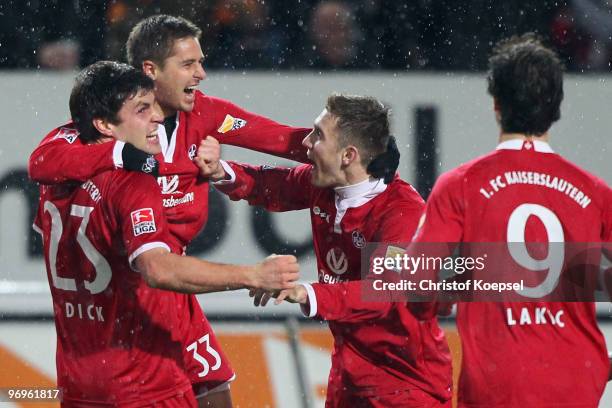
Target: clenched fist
[
  {"x": 276, "y": 272},
  {"x": 207, "y": 159}
]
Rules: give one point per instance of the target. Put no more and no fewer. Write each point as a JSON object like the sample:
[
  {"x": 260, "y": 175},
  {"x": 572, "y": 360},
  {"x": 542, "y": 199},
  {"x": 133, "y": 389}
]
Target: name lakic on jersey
[
  {"x": 559, "y": 184},
  {"x": 538, "y": 316},
  {"x": 169, "y": 184},
  {"x": 143, "y": 221},
  {"x": 336, "y": 261},
  {"x": 68, "y": 134},
  {"x": 231, "y": 123}
]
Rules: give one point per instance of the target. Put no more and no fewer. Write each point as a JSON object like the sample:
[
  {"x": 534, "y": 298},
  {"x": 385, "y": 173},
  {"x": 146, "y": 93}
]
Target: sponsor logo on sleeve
[
  {"x": 68, "y": 134},
  {"x": 231, "y": 123},
  {"x": 143, "y": 221}
]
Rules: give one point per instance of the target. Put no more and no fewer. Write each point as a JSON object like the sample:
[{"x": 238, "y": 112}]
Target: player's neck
[
  {"x": 521, "y": 136},
  {"x": 354, "y": 176},
  {"x": 104, "y": 139}
]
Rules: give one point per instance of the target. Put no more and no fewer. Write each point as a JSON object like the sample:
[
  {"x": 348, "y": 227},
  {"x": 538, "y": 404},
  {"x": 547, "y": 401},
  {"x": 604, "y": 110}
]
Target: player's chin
[
  {"x": 152, "y": 145},
  {"x": 187, "y": 103}
]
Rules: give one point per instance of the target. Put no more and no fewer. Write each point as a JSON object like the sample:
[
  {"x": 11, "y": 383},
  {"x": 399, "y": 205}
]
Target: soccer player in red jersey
[
  {"x": 107, "y": 251},
  {"x": 383, "y": 356},
  {"x": 531, "y": 354},
  {"x": 167, "y": 49}
]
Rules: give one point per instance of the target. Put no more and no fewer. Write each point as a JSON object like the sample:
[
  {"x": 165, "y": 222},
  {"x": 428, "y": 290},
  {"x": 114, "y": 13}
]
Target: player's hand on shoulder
[
  {"x": 208, "y": 159},
  {"x": 276, "y": 272}
]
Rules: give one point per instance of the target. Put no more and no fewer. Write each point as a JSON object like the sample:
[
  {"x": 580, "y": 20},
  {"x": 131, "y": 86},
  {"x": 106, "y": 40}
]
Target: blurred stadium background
[{"x": 281, "y": 59}]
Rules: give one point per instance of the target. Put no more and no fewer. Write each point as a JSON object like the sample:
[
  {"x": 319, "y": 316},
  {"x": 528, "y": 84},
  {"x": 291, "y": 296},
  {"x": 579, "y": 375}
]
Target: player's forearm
[
  {"x": 342, "y": 302},
  {"x": 56, "y": 162},
  {"x": 190, "y": 275}
]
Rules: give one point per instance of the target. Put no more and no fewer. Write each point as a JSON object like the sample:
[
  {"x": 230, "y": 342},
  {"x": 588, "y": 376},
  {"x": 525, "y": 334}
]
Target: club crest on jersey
[
  {"x": 191, "y": 153},
  {"x": 336, "y": 260},
  {"x": 143, "y": 221},
  {"x": 231, "y": 123},
  {"x": 358, "y": 239},
  {"x": 169, "y": 184},
  {"x": 68, "y": 134},
  {"x": 149, "y": 165}
]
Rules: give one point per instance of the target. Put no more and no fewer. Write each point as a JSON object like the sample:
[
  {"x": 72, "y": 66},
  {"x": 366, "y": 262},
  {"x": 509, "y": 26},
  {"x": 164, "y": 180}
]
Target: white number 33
[{"x": 193, "y": 347}]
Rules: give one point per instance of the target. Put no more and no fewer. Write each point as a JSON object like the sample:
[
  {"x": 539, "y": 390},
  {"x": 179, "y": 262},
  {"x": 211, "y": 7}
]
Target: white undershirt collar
[
  {"x": 167, "y": 149},
  {"x": 517, "y": 144},
  {"x": 354, "y": 196}
]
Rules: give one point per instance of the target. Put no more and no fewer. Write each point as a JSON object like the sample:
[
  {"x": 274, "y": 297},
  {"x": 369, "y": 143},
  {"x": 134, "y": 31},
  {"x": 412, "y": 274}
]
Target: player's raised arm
[
  {"x": 242, "y": 128},
  {"x": 274, "y": 188},
  {"x": 61, "y": 156}
]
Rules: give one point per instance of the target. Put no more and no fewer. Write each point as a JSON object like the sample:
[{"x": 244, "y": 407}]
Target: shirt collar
[
  {"x": 520, "y": 144},
  {"x": 369, "y": 185},
  {"x": 354, "y": 196}
]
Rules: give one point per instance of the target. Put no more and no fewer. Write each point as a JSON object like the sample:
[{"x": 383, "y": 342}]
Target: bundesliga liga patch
[
  {"x": 143, "y": 221},
  {"x": 231, "y": 123}
]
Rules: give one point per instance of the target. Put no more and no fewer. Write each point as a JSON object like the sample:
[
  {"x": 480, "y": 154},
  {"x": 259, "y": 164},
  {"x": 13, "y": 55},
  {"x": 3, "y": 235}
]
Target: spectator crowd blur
[{"x": 310, "y": 34}]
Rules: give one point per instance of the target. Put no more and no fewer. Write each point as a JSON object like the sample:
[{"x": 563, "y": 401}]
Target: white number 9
[{"x": 553, "y": 263}]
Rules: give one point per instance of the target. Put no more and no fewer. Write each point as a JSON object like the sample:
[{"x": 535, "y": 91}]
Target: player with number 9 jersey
[
  {"x": 513, "y": 351},
  {"x": 535, "y": 353}
]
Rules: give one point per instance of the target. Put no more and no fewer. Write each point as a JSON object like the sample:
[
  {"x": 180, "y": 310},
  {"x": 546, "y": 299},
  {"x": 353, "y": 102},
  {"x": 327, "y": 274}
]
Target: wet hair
[
  {"x": 526, "y": 80},
  {"x": 362, "y": 121},
  {"x": 99, "y": 92},
  {"x": 153, "y": 38}
]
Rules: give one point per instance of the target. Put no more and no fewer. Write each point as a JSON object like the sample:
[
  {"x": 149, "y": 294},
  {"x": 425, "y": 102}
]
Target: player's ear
[
  {"x": 350, "y": 155},
  {"x": 150, "y": 69},
  {"x": 103, "y": 126}
]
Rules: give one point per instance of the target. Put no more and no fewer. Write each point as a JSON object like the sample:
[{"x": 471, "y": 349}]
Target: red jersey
[
  {"x": 61, "y": 156},
  {"x": 380, "y": 348},
  {"x": 118, "y": 340},
  {"x": 537, "y": 354}
]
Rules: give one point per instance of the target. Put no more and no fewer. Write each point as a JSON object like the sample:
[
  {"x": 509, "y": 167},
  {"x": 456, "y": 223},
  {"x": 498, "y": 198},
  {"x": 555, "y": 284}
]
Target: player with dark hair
[
  {"x": 533, "y": 353},
  {"x": 167, "y": 49},
  {"x": 383, "y": 356},
  {"x": 107, "y": 251}
]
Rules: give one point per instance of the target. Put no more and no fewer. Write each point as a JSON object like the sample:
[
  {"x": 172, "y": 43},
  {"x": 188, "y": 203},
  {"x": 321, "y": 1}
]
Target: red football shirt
[
  {"x": 118, "y": 340},
  {"x": 379, "y": 348},
  {"x": 539, "y": 354},
  {"x": 61, "y": 156}
]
